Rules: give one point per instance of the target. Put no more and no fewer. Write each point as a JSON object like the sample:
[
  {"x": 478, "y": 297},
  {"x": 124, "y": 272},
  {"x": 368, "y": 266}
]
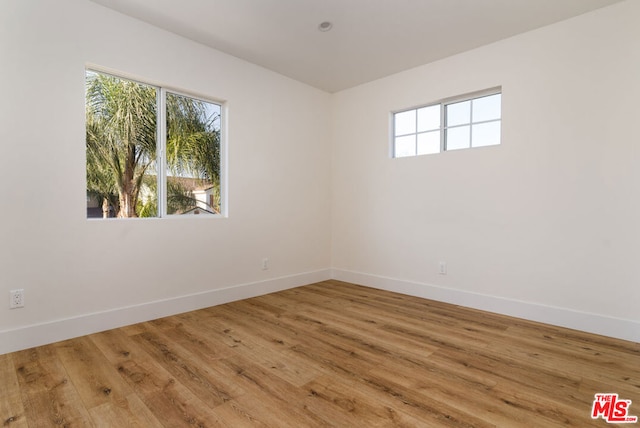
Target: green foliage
[
  {"x": 193, "y": 141},
  {"x": 121, "y": 130}
]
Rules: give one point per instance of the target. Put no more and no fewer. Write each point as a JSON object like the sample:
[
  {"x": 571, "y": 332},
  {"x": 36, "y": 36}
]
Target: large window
[
  {"x": 460, "y": 123},
  {"x": 150, "y": 152}
]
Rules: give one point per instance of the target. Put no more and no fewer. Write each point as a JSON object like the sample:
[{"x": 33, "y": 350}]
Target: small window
[
  {"x": 150, "y": 152},
  {"x": 460, "y": 123}
]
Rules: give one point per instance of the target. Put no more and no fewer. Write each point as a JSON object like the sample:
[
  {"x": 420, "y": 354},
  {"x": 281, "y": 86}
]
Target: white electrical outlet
[
  {"x": 16, "y": 299},
  {"x": 442, "y": 268},
  {"x": 265, "y": 264}
]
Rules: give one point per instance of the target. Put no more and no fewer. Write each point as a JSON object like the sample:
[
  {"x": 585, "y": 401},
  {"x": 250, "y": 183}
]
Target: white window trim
[
  {"x": 443, "y": 112},
  {"x": 161, "y": 91}
]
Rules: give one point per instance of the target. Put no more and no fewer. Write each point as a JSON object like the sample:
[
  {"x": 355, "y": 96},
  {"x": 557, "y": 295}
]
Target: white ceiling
[{"x": 370, "y": 38}]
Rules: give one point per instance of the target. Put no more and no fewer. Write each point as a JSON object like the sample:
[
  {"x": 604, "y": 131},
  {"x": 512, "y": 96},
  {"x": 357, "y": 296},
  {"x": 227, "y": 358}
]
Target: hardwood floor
[{"x": 328, "y": 354}]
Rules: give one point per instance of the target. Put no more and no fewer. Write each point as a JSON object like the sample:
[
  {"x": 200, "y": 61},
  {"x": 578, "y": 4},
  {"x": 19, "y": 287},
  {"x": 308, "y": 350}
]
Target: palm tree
[
  {"x": 121, "y": 121},
  {"x": 193, "y": 150}
]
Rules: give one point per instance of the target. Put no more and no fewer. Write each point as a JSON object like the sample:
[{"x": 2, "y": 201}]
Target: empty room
[{"x": 305, "y": 213}]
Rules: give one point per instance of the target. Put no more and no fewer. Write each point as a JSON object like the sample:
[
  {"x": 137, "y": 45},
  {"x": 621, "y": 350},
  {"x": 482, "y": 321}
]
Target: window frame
[
  {"x": 443, "y": 104},
  {"x": 161, "y": 142}
]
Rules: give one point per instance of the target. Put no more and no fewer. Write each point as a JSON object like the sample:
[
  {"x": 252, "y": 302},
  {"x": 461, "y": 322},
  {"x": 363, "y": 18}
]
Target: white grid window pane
[
  {"x": 429, "y": 118},
  {"x": 460, "y": 123},
  {"x": 459, "y": 113},
  {"x": 404, "y": 123},
  {"x": 405, "y": 146},
  {"x": 486, "y": 134},
  {"x": 487, "y": 108},
  {"x": 429, "y": 143},
  {"x": 458, "y": 138}
]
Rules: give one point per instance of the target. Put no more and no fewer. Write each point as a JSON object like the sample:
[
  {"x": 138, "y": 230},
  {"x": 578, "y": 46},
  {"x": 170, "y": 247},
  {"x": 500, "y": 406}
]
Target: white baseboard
[
  {"x": 57, "y": 330},
  {"x": 562, "y": 317},
  {"x": 54, "y": 331}
]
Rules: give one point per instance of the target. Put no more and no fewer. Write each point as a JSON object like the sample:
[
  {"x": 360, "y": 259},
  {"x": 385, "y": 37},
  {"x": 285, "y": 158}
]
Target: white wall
[
  {"x": 544, "y": 226},
  {"x": 81, "y": 276}
]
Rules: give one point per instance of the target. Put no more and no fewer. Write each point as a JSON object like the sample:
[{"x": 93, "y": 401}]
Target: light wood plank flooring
[{"x": 328, "y": 354}]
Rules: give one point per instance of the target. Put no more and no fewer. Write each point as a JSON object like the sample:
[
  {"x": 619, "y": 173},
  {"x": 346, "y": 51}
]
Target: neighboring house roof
[
  {"x": 196, "y": 211},
  {"x": 191, "y": 184}
]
